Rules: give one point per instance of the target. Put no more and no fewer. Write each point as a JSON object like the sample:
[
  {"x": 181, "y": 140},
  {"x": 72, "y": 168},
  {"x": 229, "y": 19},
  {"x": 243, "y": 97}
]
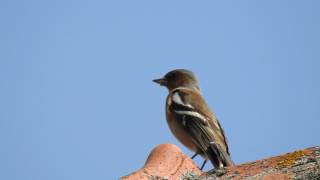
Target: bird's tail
[{"x": 218, "y": 156}]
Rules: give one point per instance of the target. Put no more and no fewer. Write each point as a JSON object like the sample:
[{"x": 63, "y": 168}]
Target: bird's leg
[
  {"x": 195, "y": 155},
  {"x": 204, "y": 163}
]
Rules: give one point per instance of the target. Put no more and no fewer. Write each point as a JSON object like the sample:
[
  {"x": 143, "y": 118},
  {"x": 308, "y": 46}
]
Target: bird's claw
[{"x": 218, "y": 172}]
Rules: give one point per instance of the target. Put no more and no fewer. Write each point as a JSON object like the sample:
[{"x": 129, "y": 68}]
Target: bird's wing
[{"x": 195, "y": 116}]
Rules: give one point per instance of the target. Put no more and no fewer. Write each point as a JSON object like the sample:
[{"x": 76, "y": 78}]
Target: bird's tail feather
[
  {"x": 202, "y": 136},
  {"x": 218, "y": 156}
]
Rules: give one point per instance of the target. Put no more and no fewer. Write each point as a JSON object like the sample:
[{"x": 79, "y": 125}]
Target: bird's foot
[{"x": 218, "y": 172}]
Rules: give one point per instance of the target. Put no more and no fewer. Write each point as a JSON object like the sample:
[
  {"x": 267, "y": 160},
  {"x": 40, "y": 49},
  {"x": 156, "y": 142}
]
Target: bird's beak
[{"x": 162, "y": 82}]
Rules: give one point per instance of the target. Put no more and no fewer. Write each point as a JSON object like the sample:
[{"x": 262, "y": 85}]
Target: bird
[{"x": 191, "y": 120}]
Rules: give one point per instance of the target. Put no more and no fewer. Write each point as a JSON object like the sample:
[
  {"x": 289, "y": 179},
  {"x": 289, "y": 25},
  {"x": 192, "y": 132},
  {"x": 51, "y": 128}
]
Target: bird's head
[{"x": 179, "y": 78}]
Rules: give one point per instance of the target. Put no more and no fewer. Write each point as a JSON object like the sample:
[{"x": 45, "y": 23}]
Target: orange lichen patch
[
  {"x": 254, "y": 168},
  {"x": 290, "y": 159}
]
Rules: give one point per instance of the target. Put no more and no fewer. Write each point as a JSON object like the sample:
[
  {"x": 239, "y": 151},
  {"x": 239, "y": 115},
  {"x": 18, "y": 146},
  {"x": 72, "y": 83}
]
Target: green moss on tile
[{"x": 190, "y": 176}]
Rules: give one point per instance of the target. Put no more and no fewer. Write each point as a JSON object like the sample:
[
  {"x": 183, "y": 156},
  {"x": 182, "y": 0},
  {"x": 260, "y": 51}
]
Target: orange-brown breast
[{"x": 178, "y": 130}]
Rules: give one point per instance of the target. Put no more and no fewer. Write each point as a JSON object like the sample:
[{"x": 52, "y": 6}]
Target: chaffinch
[{"x": 191, "y": 121}]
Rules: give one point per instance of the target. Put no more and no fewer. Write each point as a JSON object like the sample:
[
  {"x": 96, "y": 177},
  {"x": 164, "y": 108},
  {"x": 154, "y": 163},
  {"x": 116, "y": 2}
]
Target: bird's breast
[{"x": 179, "y": 131}]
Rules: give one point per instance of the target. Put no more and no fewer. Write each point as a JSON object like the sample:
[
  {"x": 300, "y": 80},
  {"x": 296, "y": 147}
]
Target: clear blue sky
[{"x": 76, "y": 96}]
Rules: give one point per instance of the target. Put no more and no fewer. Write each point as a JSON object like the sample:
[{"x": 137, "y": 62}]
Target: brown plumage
[{"x": 190, "y": 119}]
